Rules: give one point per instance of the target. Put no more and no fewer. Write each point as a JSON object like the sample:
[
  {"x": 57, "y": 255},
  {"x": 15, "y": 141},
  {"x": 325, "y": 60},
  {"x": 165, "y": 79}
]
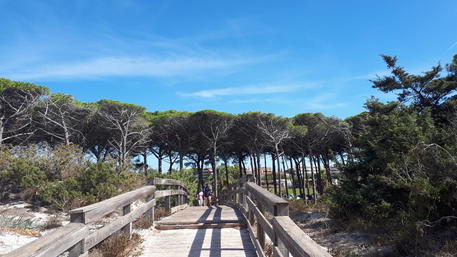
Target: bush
[
  {"x": 21, "y": 176},
  {"x": 63, "y": 195}
]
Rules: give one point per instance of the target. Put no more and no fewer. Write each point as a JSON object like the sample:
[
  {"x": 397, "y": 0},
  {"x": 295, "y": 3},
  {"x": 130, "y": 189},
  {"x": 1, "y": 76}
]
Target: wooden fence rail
[
  {"x": 268, "y": 215},
  {"x": 75, "y": 237}
]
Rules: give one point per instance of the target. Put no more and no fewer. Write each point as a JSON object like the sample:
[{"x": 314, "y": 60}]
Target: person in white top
[{"x": 200, "y": 198}]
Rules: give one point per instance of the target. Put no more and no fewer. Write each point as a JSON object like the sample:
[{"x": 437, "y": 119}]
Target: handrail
[
  {"x": 75, "y": 238},
  {"x": 270, "y": 214}
]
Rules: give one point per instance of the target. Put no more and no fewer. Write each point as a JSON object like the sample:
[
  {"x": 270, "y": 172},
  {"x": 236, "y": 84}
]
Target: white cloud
[
  {"x": 129, "y": 66},
  {"x": 247, "y": 90}
]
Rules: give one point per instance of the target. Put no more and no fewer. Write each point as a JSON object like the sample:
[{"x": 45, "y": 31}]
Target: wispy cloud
[
  {"x": 247, "y": 90},
  {"x": 324, "y": 101},
  {"x": 129, "y": 66},
  {"x": 451, "y": 47},
  {"x": 369, "y": 76}
]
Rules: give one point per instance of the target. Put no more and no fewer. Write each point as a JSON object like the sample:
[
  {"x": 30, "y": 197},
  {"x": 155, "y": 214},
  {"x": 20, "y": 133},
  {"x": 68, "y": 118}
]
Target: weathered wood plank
[
  {"x": 101, "y": 234},
  {"x": 226, "y": 242},
  {"x": 264, "y": 223},
  {"x": 254, "y": 241},
  {"x": 178, "y": 208},
  {"x": 96, "y": 211},
  {"x": 54, "y": 243},
  {"x": 296, "y": 241},
  {"x": 197, "y": 226},
  {"x": 170, "y": 192},
  {"x": 168, "y": 182},
  {"x": 268, "y": 200}
]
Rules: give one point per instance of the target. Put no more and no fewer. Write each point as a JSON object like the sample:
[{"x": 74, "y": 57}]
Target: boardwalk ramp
[{"x": 200, "y": 231}]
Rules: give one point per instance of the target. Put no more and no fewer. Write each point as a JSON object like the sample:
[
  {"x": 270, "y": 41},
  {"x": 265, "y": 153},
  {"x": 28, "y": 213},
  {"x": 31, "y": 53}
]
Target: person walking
[
  {"x": 208, "y": 192},
  {"x": 200, "y": 198}
]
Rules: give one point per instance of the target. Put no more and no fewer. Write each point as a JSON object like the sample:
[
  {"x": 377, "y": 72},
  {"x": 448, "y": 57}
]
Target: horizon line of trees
[{"x": 30, "y": 114}]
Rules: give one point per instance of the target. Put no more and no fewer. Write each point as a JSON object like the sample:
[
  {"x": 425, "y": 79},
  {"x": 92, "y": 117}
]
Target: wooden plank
[
  {"x": 268, "y": 200},
  {"x": 254, "y": 240},
  {"x": 168, "y": 182},
  {"x": 264, "y": 223},
  {"x": 54, "y": 243},
  {"x": 197, "y": 226},
  {"x": 170, "y": 192},
  {"x": 226, "y": 242},
  {"x": 94, "y": 238},
  {"x": 96, "y": 211},
  {"x": 178, "y": 208},
  {"x": 277, "y": 252},
  {"x": 296, "y": 241}
]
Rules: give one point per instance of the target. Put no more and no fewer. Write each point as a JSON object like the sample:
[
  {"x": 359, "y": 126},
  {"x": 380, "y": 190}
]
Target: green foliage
[
  {"x": 62, "y": 177},
  {"x": 20, "y": 175},
  {"x": 402, "y": 173},
  {"x": 6, "y": 84}
]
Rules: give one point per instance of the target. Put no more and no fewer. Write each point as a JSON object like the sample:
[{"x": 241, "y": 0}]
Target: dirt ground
[{"x": 329, "y": 234}]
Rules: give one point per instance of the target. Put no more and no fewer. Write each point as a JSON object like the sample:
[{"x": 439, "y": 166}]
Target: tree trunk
[
  {"x": 320, "y": 183},
  {"x": 275, "y": 185},
  {"x": 259, "y": 167},
  {"x": 145, "y": 163},
  {"x": 170, "y": 163},
  {"x": 200, "y": 173},
  {"x": 279, "y": 172},
  {"x": 305, "y": 171},
  {"x": 300, "y": 179},
  {"x": 159, "y": 162},
  {"x": 215, "y": 174},
  {"x": 326, "y": 162},
  {"x": 240, "y": 165},
  {"x": 226, "y": 173},
  {"x": 251, "y": 162},
  {"x": 342, "y": 159},
  {"x": 285, "y": 177},
  {"x": 2, "y": 129},
  {"x": 181, "y": 161},
  {"x": 244, "y": 167},
  {"x": 265, "y": 173},
  {"x": 313, "y": 182}
]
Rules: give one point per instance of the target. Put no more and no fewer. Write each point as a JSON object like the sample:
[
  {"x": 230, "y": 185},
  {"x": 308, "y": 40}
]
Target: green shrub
[
  {"x": 63, "y": 195},
  {"x": 21, "y": 176}
]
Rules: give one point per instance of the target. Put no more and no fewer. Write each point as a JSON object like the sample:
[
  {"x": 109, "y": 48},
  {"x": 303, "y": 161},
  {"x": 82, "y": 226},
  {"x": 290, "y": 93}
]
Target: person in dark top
[{"x": 207, "y": 192}]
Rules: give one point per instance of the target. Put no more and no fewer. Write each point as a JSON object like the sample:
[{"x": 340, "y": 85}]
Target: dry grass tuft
[
  {"x": 21, "y": 231},
  {"x": 160, "y": 212},
  {"x": 268, "y": 249},
  {"x": 118, "y": 245},
  {"x": 53, "y": 222},
  {"x": 142, "y": 223}
]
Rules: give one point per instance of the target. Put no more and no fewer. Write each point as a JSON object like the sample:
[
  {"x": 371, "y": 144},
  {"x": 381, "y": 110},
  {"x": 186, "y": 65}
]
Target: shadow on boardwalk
[{"x": 201, "y": 242}]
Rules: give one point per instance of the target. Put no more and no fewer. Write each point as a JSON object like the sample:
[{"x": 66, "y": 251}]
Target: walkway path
[{"x": 200, "y": 231}]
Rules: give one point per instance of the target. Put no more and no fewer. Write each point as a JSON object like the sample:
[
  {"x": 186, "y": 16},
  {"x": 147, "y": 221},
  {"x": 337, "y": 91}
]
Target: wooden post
[
  {"x": 127, "y": 229},
  {"x": 260, "y": 232},
  {"x": 168, "y": 201},
  {"x": 78, "y": 250},
  {"x": 243, "y": 193},
  {"x": 79, "y": 217},
  {"x": 149, "y": 214},
  {"x": 251, "y": 215},
  {"x": 280, "y": 210}
]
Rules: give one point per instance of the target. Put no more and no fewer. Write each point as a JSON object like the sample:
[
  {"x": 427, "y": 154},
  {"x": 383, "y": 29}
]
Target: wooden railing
[
  {"x": 76, "y": 238},
  {"x": 268, "y": 215}
]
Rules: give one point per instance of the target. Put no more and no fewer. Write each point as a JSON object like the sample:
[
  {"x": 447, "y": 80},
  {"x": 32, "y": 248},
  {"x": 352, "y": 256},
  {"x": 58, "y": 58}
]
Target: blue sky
[{"x": 284, "y": 57}]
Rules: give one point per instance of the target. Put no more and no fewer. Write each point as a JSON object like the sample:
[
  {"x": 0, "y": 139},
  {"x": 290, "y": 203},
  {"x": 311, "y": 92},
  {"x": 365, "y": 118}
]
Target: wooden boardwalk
[{"x": 201, "y": 231}]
